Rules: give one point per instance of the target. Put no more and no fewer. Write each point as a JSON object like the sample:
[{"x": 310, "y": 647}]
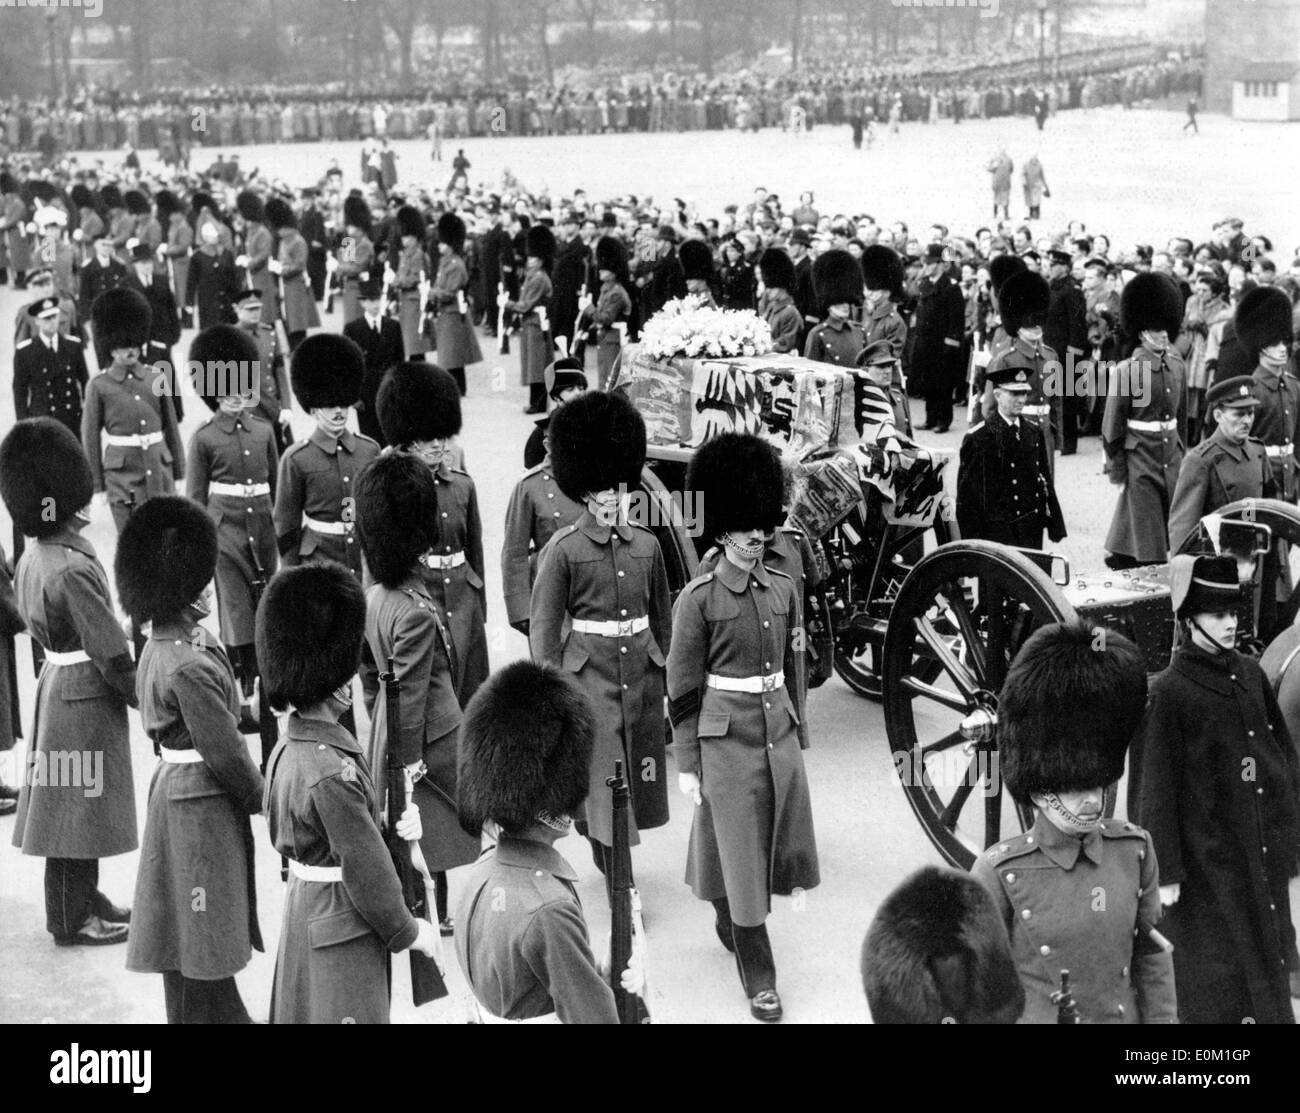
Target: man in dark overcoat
[{"x": 936, "y": 338}]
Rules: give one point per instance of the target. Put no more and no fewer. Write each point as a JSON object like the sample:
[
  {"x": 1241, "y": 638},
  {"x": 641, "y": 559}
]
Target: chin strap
[
  {"x": 1072, "y": 821},
  {"x": 1218, "y": 645}
]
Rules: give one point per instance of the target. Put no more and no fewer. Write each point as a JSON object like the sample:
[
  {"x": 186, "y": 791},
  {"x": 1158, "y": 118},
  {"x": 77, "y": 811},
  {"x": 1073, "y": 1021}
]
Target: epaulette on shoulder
[
  {"x": 974, "y": 429},
  {"x": 1012, "y": 848},
  {"x": 70, "y": 338},
  {"x": 1122, "y": 829},
  {"x": 368, "y": 440},
  {"x": 23, "y": 344},
  {"x": 794, "y": 531},
  {"x": 459, "y": 471},
  {"x": 536, "y": 469},
  {"x": 295, "y": 447},
  {"x": 777, "y": 572}
]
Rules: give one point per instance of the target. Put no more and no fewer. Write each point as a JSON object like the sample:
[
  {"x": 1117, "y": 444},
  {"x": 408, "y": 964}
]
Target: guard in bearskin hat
[
  {"x": 611, "y": 312},
  {"x": 937, "y": 953},
  {"x": 296, "y": 304},
  {"x": 356, "y": 255},
  {"x": 525, "y": 748},
  {"x": 1077, "y": 889},
  {"x": 696, "y": 258},
  {"x": 256, "y": 246},
  {"x": 449, "y": 312},
  {"x": 399, "y": 524},
  {"x": 733, "y": 698},
  {"x": 1001, "y": 268},
  {"x": 1142, "y": 430},
  {"x": 419, "y": 410},
  {"x": 178, "y": 240},
  {"x": 882, "y": 275},
  {"x": 1265, "y": 331},
  {"x": 85, "y": 687},
  {"x": 532, "y": 308},
  {"x": 197, "y": 835},
  {"x": 776, "y": 304},
  {"x": 321, "y": 809},
  {"x": 1226, "y": 842},
  {"x": 128, "y": 424},
  {"x": 837, "y": 281},
  {"x": 121, "y": 224},
  {"x": 600, "y": 608},
  {"x": 412, "y": 274},
  {"x": 380, "y": 339},
  {"x": 313, "y": 494}
]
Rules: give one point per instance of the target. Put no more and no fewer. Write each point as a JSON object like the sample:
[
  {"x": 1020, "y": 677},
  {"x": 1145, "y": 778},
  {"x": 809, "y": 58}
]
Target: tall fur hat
[
  {"x": 540, "y": 241},
  {"x": 696, "y": 259},
  {"x": 1050, "y": 736},
  {"x": 44, "y": 476},
  {"x": 418, "y": 402},
  {"x": 327, "y": 370},
  {"x": 356, "y": 213},
  {"x": 611, "y": 255},
  {"x": 250, "y": 207},
  {"x": 279, "y": 214},
  {"x": 525, "y": 748},
  {"x": 776, "y": 269},
  {"x": 81, "y": 196},
  {"x": 451, "y": 231},
  {"x": 1153, "y": 301},
  {"x": 410, "y": 222},
  {"x": 111, "y": 197},
  {"x": 882, "y": 269},
  {"x": 1002, "y": 267},
  {"x": 200, "y": 201},
  {"x": 166, "y": 555},
  {"x": 938, "y": 951},
  {"x": 837, "y": 277},
  {"x": 167, "y": 203},
  {"x": 1023, "y": 300},
  {"x": 137, "y": 204},
  {"x": 121, "y": 319},
  {"x": 224, "y": 360},
  {"x": 740, "y": 482},
  {"x": 1263, "y": 318},
  {"x": 397, "y": 515},
  {"x": 8, "y": 183},
  {"x": 597, "y": 443}
]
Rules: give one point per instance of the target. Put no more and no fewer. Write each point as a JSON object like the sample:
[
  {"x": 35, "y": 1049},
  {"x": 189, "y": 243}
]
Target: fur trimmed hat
[
  {"x": 740, "y": 483},
  {"x": 696, "y": 259},
  {"x": 137, "y": 204},
  {"x": 418, "y": 401},
  {"x": 397, "y": 515},
  {"x": 882, "y": 269},
  {"x": 1150, "y": 301},
  {"x": 224, "y": 360},
  {"x": 525, "y": 748},
  {"x": 611, "y": 255},
  {"x": 1023, "y": 300},
  {"x": 451, "y": 231},
  {"x": 1263, "y": 318},
  {"x": 837, "y": 278},
  {"x": 327, "y": 370},
  {"x": 597, "y": 443},
  {"x": 356, "y": 213},
  {"x": 1002, "y": 267},
  {"x": 539, "y": 241},
  {"x": 937, "y": 950},
  {"x": 250, "y": 207},
  {"x": 121, "y": 318},
  {"x": 166, "y": 556},
  {"x": 1050, "y": 736},
  {"x": 776, "y": 269},
  {"x": 44, "y": 476},
  {"x": 310, "y": 625},
  {"x": 279, "y": 214},
  {"x": 410, "y": 222}
]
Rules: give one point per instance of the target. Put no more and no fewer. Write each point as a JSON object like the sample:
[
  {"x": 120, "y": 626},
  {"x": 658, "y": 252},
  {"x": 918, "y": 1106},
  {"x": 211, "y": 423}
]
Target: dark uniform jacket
[
  {"x": 937, "y": 330},
  {"x": 538, "y": 509},
  {"x": 383, "y": 350},
  {"x": 95, "y": 279},
  {"x": 211, "y": 284},
  {"x": 1044, "y": 406},
  {"x": 1215, "y": 473},
  {"x": 1277, "y": 425},
  {"x": 835, "y": 341},
  {"x": 164, "y": 323},
  {"x": 50, "y": 383},
  {"x": 777, "y": 308},
  {"x": 1004, "y": 489},
  {"x": 274, "y": 395},
  {"x": 568, "y": 276},
  {"x": 1066, "y": 329}
]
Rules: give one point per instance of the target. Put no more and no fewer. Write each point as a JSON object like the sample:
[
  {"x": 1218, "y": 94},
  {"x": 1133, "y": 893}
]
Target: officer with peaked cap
[
  {"x": 878, "y": 400},
  {"x": 197, "y": 835},
  {"x": 1059, "y": 755},
  {"x": 733, "y": 702},
  {"x": 937, "y": 952},
  {"x": 49, "y": 369},
  {"x": 1226, "y": 841},
  {"x": 85, "y": 687},
  {"x": 343, "y": 910}
]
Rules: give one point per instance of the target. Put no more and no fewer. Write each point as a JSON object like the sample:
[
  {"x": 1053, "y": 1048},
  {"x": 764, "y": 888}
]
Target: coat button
[
  {"x": 623, "y": 611},
  {"x": 625, "y": 687},
  {"x": 767, "y": 705},
  {"x": 1025, "y": 914},
  {"x": 1029, "y": 838},
  {"x": 556, "y": 514},
  {"x": 1011, "y": 877},
  {"x": 1044, "y": 950},
  {"x": 621, "y": 573},
  {"x": 1124, "y": 972},
  {"x": 1119, "y": 1010},
  {"x": 550, "y": 494},
  {"x": 622, "y": 649},
  {"x": 766, "y": 624}
]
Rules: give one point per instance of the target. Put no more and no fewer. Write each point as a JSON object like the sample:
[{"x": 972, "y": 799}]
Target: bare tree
[
  {"x": 796, "y": 32},
  {"x": 590, "y": 12},
  {"x": 403, "y": 17}
]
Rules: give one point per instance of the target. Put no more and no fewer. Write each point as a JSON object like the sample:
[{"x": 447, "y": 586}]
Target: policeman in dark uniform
[
  {"x": 49, "y": 370},
  {"x": 275, "y": 401},
  {"x": 1004, "y": 485},
  {"x": 565, "y": 380},
  {"x": 837, "y": 279}
]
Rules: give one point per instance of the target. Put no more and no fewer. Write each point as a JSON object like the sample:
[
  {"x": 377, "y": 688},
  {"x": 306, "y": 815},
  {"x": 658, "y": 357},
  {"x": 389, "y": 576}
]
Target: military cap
[
  {"x": 250, "y": 207},
  {"x": 137, "y": 204},
  {"x": 1015, "y": 379},
  {"x": 111, "y": 197},
  {"x": 451, "y": 231},
  {"x": 410, "y": 222},
  {"x": 1059, "y": 257},
  {"x": 1002, "y": 267},
  {"x": 418, "y": 401},
  {"x": 1203, "y": 584},
  {"x": 371, "y": 287},
  {"x": 1024, "y": 299},
  {"x": 356, "y": 213},
  {"x": 876, "y": 353},
  {"x": 801, "y": 236},
  {"x": 563, "y": 374},
  {"x": 166, "y": 555},
  {"x": 1236, "y": 393},
  {"x": 539, "y": 242},
  {"x": 934, "y": 253},
  {"x": 1264, "y": 318},
  {"x": 882, "y": 269},
  {"x": 776, "y": 269},
  {"x": 279, "y": 214},
  {"x": 611, "y": 255},
  {"x": 696, "y": 259},
  {"x": 1151, "y": 301},
  {"x": 44, "y": 476},
  {"x": 43, "y": 307},
  {"x": 224, "y": 361},
  {"x": 247, "y": 294}
]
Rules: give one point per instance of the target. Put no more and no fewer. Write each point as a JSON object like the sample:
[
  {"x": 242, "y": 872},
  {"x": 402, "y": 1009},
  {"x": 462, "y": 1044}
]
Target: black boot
[
  {"x": 757, "y": 971},
  {"x": 722, "y": 924}
]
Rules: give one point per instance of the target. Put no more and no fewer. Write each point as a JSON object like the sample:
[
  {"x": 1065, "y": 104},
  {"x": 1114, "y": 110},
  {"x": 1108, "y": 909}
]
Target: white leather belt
[
  {"x": 480, "y": 1015},
  {"x": 441, "y": 561},
  {"x": 133, "y": 440},
  {"x": 334, "y": 529},
  {"x": 1278, "y": 450},
  {"x": 614, "y": 628},
  {"x": 326, "y": 875},
  {"x": 180, "y": 757},
  {"x": 1037, "y": 411},
  {"x": 240, "y": 490},
  {"x": 72, "y": 657},
  {"x": 1152, "y": 426},
  {"x": 769, "y": 683}
]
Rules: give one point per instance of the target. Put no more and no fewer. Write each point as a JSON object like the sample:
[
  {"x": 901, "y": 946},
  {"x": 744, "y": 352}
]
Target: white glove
[
  {"x": 1169, "y": 894},
  {"x": 162, "y": 250},
  {"x": 427, "y": 940},
  {"x": 689, "y": 783},
  {"x": 241, "y": 260},
  {"x": 331, "y": 264},
  {"x": 633, "y": 977},
  {"x": 78, "y": 235},
  {"x": 285, "y": 417},
  {"x": 409, "y": 828},
  {"x": 586, "y": 303},
  {"x": 503, "y": 298},
  {"x": 275, "y": 266}
]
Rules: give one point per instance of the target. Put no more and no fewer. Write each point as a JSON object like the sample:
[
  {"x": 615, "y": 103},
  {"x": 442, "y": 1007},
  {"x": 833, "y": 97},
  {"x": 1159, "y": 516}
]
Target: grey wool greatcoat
[
  {"x": 405, "y": 624},
  {"x": 299, "y": 306},
  {"x": 592, "y": 572},
  {"x": 322, "y": 809},
  {"x": 454, "y": 334},
  {"x": 537, "y": 510},
  {"x": 70, "y": 805},
  {"x": 753, "y": 834},
  {"x": 534, "y": 341},
  {"x": 196, "y": 902}
]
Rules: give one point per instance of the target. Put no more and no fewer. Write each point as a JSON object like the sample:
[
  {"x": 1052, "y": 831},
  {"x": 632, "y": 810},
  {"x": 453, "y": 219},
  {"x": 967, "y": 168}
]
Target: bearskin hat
[
  {"x": 166, "y": 555},
  {"x": 837, "y": 278},
  {"x": 1002, "y": 267},
  {"x": 8, "y": 183},
  {"x": 111, "y": 197},
  {"x": 696, "y": 259},
  {"x": 215, "y": 358},
  {"x": 611, "y": 255},
  {"x": 356, "y": 213},
  {"x": 410, "y": 222},
  {"x": 137, "y": 204},
  {"x": 279, "y": 214},
  {"x": 121, "y": 318},
  {"x": 418, "y": 402},
  {"x": 1023, "y": 300},
  {"x": 525, "y": 748},
  {"x": 250, "y": 206},
  {"x": 43, "y": 191},
  {"x": 1150, "y": 301},
  {"x": 938, "y": 951},
  {"x": 81, "y": 196},
  {"x": 1263, "y": 318},
  {"x": 1050, "y": 735},
  {"x": 776, "y": 269},
  {"x": 310, "y": 625},
  {"x": 397, "y": 515},
  {"x": 740, "y": 482},
  {"x": 44, "y": 476},
  {"x": 201, "y": 201},
  {"x": 882, "y": 269},
  {"x": 597, "y": 443},
  {"x": 540, "y": 242},
  {"x": 451, "y": 231},
  {"x": 327, "y": 370}
]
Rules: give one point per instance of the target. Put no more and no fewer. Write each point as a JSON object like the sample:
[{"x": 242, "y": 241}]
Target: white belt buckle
[
  {"x": 250, "y": 490},
  {"x": 625, "y": 629},
  {"x": 769, "y": 682}
]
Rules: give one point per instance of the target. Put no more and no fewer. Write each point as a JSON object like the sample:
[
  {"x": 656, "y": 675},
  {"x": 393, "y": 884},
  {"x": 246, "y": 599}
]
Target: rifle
[
  {"x": 426, "y": 977},
  {"x": 137, "y": 635},
  {"x": 503, "y": 331},
  {"x": 625, "y": 907},
  {"x": 267, "y": 730},
  {"x": 1067, "y": 1012}
]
